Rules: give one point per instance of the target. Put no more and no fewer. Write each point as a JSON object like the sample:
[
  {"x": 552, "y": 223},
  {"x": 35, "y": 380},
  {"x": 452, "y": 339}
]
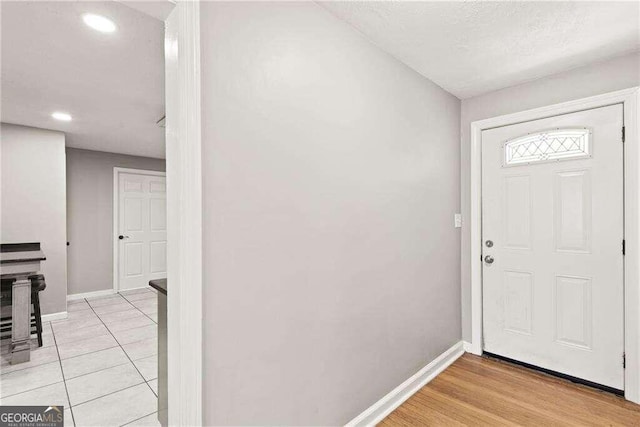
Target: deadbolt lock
[{"x": 489, "y": 243}]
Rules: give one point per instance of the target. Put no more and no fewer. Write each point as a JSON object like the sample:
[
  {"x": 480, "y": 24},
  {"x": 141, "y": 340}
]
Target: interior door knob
[
  {"x": 122, "y": 237},
  {"x": 488, "y": 259}
]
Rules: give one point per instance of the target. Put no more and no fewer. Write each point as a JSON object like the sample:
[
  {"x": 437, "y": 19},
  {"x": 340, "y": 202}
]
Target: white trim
[
  {"x": 383, "y": 407},
  {"x": 116, "y": 213},
  {"x": 627, "y": 97},
  {"x": 94, "y": 294},
  {"x": 467, "y": 347},
  {"x": 184, "y": 214},
  {"x": 54, "y": 316},
  {"x": 632, "y": 247}
]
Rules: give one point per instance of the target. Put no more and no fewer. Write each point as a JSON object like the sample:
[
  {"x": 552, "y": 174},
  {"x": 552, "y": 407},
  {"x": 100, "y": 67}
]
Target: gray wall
[
  {"x": 33, "y": 205},
  {"x": 616, "y": 74},
  {"x": 90, "y": 215},
  {"x": 331, "y": 177}
]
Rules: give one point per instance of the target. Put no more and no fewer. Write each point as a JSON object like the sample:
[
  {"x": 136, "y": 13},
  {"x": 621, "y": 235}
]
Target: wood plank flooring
[{"x": 477, "y": 391}]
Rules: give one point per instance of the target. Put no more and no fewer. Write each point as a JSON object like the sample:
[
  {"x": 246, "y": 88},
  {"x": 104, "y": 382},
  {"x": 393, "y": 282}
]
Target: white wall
[
  {"x": 33, "y": 202},
  {"x": 616, "y": 74},
  {"x": 90, "y": 215},
  {"x": 331, "y": 177}
]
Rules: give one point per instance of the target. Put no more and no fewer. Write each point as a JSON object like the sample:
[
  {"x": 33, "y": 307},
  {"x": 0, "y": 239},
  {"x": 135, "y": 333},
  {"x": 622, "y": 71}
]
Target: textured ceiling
[
  {"x": 159, "y": 9},
  {"x": 112, "y": 84},
  {"x": 470, "y": 48}
]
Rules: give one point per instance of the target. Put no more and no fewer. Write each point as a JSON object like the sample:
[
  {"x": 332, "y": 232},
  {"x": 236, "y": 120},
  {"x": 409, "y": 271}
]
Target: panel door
[
  {"x": 142, "y": 230},
  {"x": 552, "y": 230}
]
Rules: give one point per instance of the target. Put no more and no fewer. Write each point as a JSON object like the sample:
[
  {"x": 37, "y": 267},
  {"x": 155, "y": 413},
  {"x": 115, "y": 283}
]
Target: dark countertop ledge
[{"x": 159, "y": 284}]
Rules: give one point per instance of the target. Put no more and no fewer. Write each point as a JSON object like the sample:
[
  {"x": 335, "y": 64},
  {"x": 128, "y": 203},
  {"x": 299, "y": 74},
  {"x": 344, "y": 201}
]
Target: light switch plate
[{"x": 457, "y": 220}]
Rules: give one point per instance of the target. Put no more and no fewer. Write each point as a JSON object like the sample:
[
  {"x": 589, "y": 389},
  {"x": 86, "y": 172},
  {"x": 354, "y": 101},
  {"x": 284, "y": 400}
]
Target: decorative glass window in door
[{"x": 550, "y": 145}]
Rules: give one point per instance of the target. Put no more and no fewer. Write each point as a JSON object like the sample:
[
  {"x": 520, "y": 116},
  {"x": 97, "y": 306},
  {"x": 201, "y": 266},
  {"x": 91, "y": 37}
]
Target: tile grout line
[
  {"x": 59, "y": 359},
  {"x": 35, "y": 388},
  {"x": 133, "y": 306},
  {"x": 98, "y": 370},
  {"x": 35, "y": 366},
  {"x": 113, "y": 297},
  {"x": 107, "y": 326},
  {"x": 126, "y": 354},
  {"x": 84, "y": 354},
  {"x": 64, "y": 380},
  {"x": 137, "y": 419},
  {"x": 108, "y": 394},
  {"x": 123, "y": 297},
  {"x": 81, "y": 339},
  {"x": 156, "y": 296},
  {"x": 96, "y": 351},
  {"x": 70, "y": 358},
  {"x": 156, "y": 323},
  {"x": 27, "y": 367}
]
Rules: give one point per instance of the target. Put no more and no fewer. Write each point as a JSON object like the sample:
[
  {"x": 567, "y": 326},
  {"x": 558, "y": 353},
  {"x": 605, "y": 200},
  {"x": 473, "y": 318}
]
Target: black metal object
[
  {"x": 7, "y": 248},
  {"x": 557, "y": 374},
  {"x": 159, "y": 284},
  {"x": 16, "y": 261},
  {"x": 37, "y": 285},
  {"x": 35, "y": 300},
  {"x": 19, "y": 247}
]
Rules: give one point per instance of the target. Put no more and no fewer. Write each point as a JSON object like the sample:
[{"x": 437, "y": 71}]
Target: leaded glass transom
[{"x": 558, "y": 144}]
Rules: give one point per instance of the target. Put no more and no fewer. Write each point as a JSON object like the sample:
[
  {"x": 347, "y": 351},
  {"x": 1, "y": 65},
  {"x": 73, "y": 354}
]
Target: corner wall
[
  {"x": 330, "y": 181},
  {"x": 33, "y": 202},
  {"x": 90, "y": 215},
  {"x": 615, "y": 74}
]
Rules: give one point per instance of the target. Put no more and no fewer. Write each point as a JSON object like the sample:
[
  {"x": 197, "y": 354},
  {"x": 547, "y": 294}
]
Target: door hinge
[
  {"x": 624, "y": 247},
  {"x": 624, "y": 360},
  {"x": 622, "y": 133}
]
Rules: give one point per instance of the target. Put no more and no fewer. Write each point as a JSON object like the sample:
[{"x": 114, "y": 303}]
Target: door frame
[
  {"x": 184, "y": 214},
  {"x": 629, "y": 99},
  {"x": 116, "y": 216}
]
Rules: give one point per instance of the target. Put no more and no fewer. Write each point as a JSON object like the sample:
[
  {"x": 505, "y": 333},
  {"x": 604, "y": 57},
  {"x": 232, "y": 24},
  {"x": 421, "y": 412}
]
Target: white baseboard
[
  {"x": 54, "y": 316},
  {"x": 147, "y": 287},
  {"x": 91, "y": 294},
  {"x": 469, "y": 347},
  {"x": 383, "y": 407}
]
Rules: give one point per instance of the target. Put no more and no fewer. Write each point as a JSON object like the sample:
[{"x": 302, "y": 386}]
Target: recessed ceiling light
[
  {"x": 61, "y": 116},
  {"x": 99, "y": 23}
]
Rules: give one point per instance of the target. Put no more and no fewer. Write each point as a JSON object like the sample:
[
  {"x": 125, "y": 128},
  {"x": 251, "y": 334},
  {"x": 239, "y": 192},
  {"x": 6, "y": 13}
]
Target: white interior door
[
  {"x": 141, "y": 230},
  {"x": 552, "y": 209}
]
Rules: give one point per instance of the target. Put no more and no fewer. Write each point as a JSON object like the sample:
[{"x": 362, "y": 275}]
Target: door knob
[
  {"x": 122, "y": 237},
  {"x": 488, "y": 259}
]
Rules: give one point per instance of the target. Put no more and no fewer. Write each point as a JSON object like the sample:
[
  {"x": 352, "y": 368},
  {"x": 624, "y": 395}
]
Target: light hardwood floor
[{"x": 477, "y": 391}]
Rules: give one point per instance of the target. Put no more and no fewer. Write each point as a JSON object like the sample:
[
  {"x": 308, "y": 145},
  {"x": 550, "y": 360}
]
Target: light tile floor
[{"x": 101, "y": 363}]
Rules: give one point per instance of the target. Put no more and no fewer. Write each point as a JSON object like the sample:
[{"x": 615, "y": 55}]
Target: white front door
[
  {"x": 552, "y": 237},
  {"x": 141, "y": 231}
]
